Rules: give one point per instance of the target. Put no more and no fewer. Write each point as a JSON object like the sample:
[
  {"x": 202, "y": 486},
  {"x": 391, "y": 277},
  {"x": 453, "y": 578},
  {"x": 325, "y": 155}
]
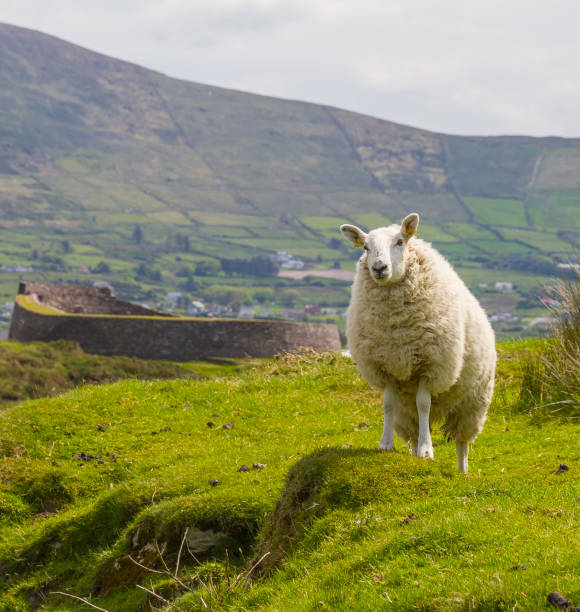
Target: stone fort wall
[{"x": 104, "y": 325}]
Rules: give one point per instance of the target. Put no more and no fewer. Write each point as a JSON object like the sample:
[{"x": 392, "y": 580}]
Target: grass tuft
[{"x": 551, "y": 378}]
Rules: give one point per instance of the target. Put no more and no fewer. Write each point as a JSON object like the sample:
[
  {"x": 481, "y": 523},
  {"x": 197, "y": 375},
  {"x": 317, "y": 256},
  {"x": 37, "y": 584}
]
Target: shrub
[{"x": 552, "y": 378}]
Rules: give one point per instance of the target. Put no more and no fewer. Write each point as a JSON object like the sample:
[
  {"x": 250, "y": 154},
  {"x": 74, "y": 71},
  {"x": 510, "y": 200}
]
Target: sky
[{"x": 482, "y": 67}]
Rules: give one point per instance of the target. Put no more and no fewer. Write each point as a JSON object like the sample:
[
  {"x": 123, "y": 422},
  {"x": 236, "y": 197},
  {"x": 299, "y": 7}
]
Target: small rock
[
  {"x": 210, "y": 424},
  {"x": 100, "y": 461},
  {"x": 228, "y": 426},
  {"x": 153, "y": 433},
  {"x": 55, "y": 463},
  {"x": 520, "y": 566},
  {"x": 562, "y": 468},
  {"x": 82, "y": 456},
  {"x": 407, "y": 519},
  {"x": 214, "y": 416},
  {"x": 114, "y": 457},
  {"x": 258, "y": 466},
  {"x": 214, "y": 483},
  {"x": 101, "y": 428},
  {"x": 363, "y": 425},
  {"x": 166, "y": 429},
  {"x": 558, "y": 600},
  {"x": 244, "y": 468}
]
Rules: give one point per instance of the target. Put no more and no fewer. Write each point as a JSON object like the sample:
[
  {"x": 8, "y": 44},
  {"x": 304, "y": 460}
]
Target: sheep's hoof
[
  {"x": 425, "y": 451},
  {"x": 387, "y": 447}
]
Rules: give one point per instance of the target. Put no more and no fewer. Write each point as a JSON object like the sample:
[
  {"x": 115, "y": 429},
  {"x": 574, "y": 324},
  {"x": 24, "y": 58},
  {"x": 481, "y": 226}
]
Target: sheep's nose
[{"x": 379, "y": 267}]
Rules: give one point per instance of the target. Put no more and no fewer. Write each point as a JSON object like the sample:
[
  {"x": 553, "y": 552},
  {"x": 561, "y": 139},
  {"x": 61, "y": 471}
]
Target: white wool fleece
[{"x": 424, "y": 326}]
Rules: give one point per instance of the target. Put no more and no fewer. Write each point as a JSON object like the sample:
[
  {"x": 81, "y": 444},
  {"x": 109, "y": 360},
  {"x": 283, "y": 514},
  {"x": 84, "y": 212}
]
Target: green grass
[
  {"x": 371, "y": 220},
  {"x": 496, "y": 247},
  {"x": 212, "y": 218},
  {"x": 323, "y": 224},
  {"x": 38, "y": 369},
  {"x": 545, "y": 241},
  {"x": 346, "y": 526},
  {"x": 556, "y": 211},
  {"x": 467, "y": 231},
  {"x": 435, "y": 234},
  {"x": 494, "y": 211}
]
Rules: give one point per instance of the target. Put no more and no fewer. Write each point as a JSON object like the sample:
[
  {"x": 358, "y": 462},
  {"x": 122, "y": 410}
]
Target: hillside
[
  {"x": 38, "y": 369},
  {"x": 92, "y": 147},
  {"x": 346, "y": 526}
]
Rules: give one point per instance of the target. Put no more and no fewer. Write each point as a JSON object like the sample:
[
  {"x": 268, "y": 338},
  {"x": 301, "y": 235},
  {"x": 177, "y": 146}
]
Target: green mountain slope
[{"x": 91, "y": 146}]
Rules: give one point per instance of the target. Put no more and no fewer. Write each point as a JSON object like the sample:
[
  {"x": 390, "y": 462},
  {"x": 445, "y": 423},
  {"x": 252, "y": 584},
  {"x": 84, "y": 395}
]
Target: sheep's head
[{"x": 385, "y": 248}]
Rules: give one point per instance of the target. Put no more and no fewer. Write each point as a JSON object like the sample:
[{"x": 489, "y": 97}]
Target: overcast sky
[{"x": 454, "y": 66}]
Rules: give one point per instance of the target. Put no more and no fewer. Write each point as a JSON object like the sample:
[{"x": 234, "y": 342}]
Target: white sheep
[{"x": 417, "y": 333}]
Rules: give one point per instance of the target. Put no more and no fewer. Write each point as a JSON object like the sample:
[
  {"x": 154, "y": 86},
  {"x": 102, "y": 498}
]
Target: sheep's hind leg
[
  {"x": 389, "y": 401},
  {"x": 424, "y": 444},
  {"x": 462, "y": 449}
]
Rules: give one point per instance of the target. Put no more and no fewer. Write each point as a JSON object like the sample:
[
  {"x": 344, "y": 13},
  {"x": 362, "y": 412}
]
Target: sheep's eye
[
  {"x": 365, "y": 247},
  {"x": 400, "y": 242}
]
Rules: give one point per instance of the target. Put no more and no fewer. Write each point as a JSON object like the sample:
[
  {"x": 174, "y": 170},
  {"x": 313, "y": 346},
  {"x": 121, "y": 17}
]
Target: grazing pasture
[{"x": 143, "y": 470}]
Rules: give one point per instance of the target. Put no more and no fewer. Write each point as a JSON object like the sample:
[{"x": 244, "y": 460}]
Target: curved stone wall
[{"x": 162, "y": 337}]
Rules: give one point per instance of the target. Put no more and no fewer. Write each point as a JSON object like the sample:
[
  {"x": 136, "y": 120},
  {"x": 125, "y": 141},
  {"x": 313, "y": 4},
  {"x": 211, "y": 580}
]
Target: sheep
[{"x": 417, "y": 334}]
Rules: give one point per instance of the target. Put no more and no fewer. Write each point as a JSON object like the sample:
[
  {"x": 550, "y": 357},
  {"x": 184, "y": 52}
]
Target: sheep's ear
[
  {"x": 410, "y": 225},
  {"x": 354, "y": 234}
]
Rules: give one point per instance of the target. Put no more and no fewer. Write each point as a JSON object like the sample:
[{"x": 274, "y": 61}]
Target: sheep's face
[{"x": 386, "y": 248}]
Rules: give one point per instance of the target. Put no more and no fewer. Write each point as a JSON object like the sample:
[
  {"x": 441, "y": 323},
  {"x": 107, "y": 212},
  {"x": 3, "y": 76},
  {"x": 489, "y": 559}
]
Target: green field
[
  {"x": 545, "y": 241},
  {"x": 497, "y": 212},
  {"x": 371, "y": 220},
  {"x": 502, "y": 248},
  {"x": 106, "y": 474}
]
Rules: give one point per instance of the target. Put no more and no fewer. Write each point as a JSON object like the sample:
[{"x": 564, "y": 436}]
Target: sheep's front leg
[
  {"x": 389, "y": 401},
  {"x": 424, "y": 444},
  {"x": 462, "y": 449}
]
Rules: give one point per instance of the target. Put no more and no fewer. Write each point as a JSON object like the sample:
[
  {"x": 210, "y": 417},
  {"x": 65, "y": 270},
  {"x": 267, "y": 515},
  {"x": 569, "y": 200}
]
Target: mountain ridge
[{"x": 404, "y": 159}]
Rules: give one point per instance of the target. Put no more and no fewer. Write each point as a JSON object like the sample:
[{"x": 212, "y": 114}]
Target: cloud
[{"x": 460, "y": 67}]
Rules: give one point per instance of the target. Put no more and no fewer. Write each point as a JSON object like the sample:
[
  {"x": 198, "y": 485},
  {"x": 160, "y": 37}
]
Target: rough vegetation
[
  {"x": 38, "y": 369},
  {"x": 552, "y": 375},
  {"x": 182, "y": 487}
]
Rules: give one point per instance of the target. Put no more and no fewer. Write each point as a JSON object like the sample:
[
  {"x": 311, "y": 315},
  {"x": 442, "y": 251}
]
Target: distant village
[{"x": 176, "y": 301}]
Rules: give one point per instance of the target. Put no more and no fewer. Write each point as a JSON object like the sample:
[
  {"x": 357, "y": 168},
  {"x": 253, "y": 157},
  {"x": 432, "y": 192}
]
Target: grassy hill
[
  {"x": 96, "y": 512},
  {"x": 91, "y": 147},
  {"x": 39, "y": 369}
]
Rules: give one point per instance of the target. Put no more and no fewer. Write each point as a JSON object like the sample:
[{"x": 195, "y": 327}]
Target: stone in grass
[
  {"x": 562, "y": 468},
  {"x": 228, "y": 426},
  {"x": 520, "y": 566},
  {"x": 258, "y": 466},
  {"x": 85, "y": 456},
  {"x": 560, "y": 601},
  {"x": 101, "y": 428},
  {"x": 214, "y": 483},
  {"x": 407, "y": 519},
  {"x": 244, "y": 468}
]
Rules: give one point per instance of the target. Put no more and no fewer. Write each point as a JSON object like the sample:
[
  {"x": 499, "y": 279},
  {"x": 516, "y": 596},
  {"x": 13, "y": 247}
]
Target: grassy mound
[
  {"x": 40, "y": 369},
  {"x": 265, "y": 490}
]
